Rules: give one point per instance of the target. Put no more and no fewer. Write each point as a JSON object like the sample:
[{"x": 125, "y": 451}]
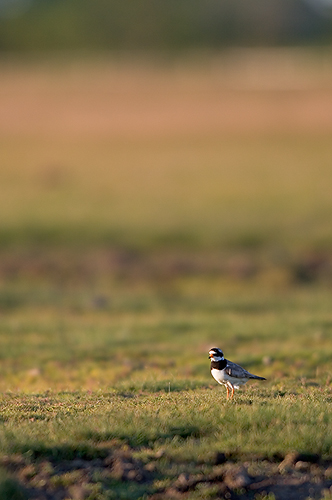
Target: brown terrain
[
  {"x": 296, "y": 477},
  {"x": 245, "y": 92}
]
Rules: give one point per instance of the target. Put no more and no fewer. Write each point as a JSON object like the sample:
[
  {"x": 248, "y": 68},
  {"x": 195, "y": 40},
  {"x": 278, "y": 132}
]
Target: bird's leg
[
  {"x": 227, "y": 391},
  {"x": 232, "y": 395}
]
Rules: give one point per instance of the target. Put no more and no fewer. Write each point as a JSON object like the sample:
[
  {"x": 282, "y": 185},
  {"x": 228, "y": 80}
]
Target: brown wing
[{"x": 236, "y": 371}]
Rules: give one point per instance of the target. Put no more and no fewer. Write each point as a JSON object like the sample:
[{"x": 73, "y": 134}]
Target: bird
[{"x": 228, "y": 373}]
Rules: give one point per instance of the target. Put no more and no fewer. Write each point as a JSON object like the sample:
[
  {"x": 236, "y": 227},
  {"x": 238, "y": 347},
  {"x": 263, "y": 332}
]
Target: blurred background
[
  {"x": 153, "y": 151},
  {"x": 153, "y": 24},
  {"x": 189, "y": 136}
]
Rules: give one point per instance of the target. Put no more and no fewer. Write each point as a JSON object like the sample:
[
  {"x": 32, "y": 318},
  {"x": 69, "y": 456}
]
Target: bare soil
[
  {"x": 245, "y": 92},
  {"x": 296, "y": 477}
]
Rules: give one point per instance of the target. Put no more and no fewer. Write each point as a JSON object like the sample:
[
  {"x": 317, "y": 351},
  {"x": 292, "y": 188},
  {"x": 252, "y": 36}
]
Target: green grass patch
[{"x": 191, "y": 425}]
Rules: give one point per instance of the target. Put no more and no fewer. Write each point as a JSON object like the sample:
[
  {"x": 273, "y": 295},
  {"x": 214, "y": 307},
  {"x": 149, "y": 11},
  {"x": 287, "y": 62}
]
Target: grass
[
  {"x": 186, "y": 424},
  {"x": 80, "y": 380},
  {"x": 203, "y": 191},
  {"x": 145, "y": 336},
  {"x": 127, "y": 253},
  {"x": 157, "y": 355}
]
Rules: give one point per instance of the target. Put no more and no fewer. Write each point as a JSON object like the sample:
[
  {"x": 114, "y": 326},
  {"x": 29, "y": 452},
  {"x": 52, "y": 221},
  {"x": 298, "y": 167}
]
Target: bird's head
[{"x": 216, "y": 354}]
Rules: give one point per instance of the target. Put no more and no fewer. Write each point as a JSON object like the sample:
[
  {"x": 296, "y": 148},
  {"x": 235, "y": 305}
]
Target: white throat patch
[{"x": 216, "y": 358}]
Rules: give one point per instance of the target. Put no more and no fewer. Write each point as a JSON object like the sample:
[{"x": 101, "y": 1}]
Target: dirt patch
[
  {"x": 296, "y": 477},
  {"x": 292, "y": 479},
  {"x": 76, "y": 479}
]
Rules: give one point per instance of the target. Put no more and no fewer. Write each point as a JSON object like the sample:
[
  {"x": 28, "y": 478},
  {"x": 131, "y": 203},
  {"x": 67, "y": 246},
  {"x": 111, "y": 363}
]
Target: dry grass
[{"x": 222, "y": 150}]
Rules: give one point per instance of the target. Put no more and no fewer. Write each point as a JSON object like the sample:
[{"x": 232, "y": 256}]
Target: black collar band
[{"x": 219, "y": 365}]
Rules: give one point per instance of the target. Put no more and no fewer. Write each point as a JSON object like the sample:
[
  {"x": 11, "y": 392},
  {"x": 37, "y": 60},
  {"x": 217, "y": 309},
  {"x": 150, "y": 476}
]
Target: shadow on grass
[
  {"x": 60, "y": 452},
  {"x": 137, "y": 439},
  {"x": 129, "y": 490},
  {"x": 10, "y": 489},
  {"x": 10, "y": 300}
]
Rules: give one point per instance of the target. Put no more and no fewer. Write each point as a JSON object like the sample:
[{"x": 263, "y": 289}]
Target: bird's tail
[{"x": 257, "y": 377}]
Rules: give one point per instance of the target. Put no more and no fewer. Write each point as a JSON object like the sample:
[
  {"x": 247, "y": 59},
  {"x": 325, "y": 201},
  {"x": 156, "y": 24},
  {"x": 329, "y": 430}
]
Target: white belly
[{"x": 222, "y": 378}]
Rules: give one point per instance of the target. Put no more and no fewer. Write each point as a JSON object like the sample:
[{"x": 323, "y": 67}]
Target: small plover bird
[{"x": 227, "y": 373}]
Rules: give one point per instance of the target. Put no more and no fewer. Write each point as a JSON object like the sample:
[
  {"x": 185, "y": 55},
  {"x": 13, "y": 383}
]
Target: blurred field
[
  {"x": 217, "y": 153},
  {"x": 150, "y": 211}
]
